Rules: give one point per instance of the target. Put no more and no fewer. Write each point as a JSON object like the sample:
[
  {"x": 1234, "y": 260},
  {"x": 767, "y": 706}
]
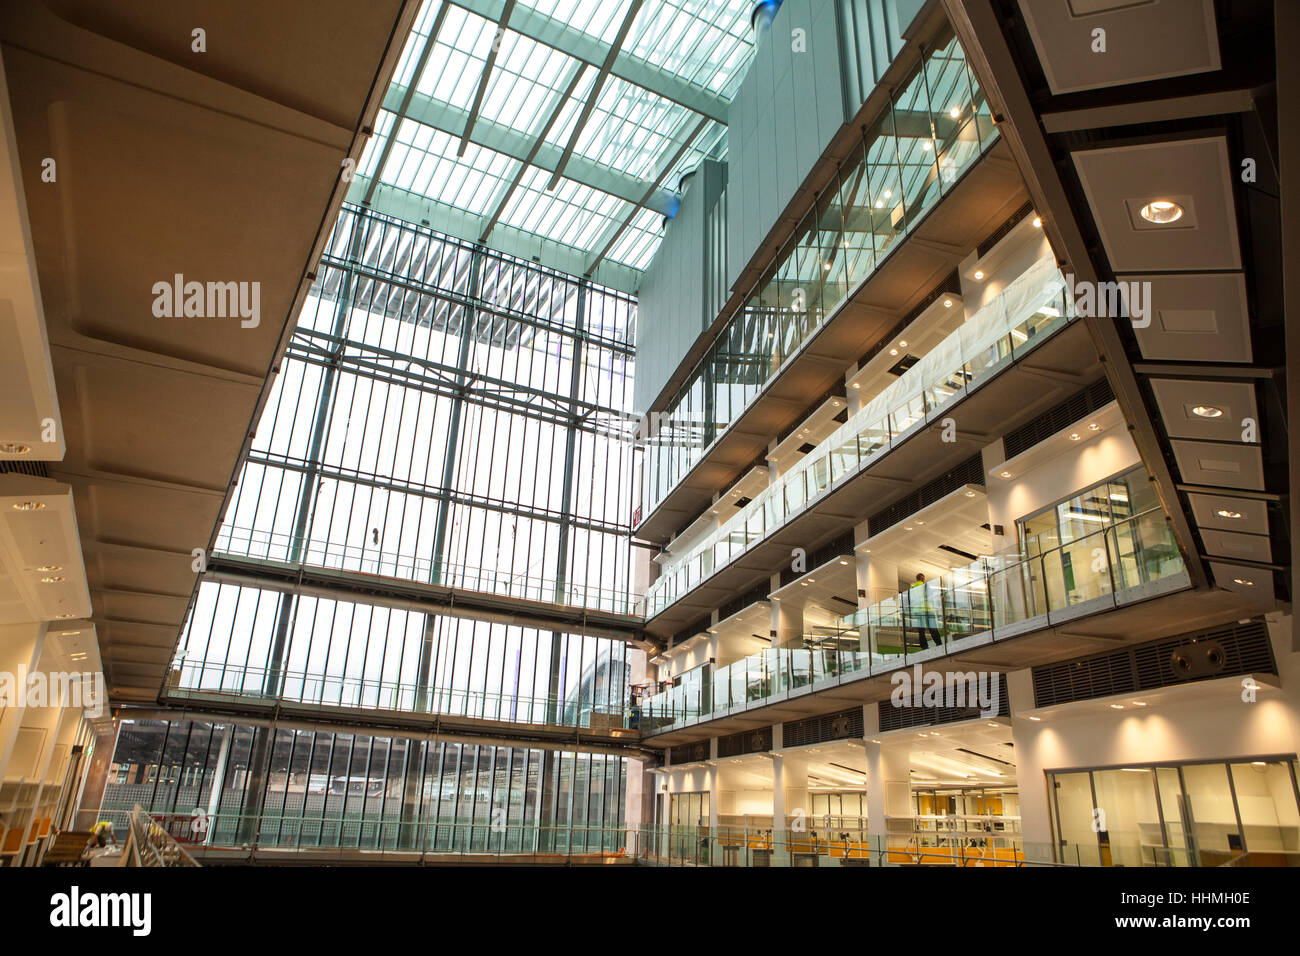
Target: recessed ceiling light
[
  {"x": 1207, "y": 411},
  {"x": 1116, "y": 706},
  {"x": 907, "y": 527},
  {"x": 1006, "y": 474},
  {"x": 1244, "y": 582},
  {"x": 970, "y": 494},
  {"x": 1038, "y": 222},
  {"x": 979, "y": 274},
  {"x": 29, "y": 505},
  {"x": 50, "y": 567},
  {"x": 835, "y": 402},
  {"x": 1075, "y": 436},
  {"x": 947, "y": 303},
  {"x": 812, "y": 580},
  {"x": 1139, "y": 703},
  {"x": 1093, "y": 427},
  {"x": 844, "y": 563},
  {"x": 803, "y": 584},
  {"x": 1161, "y": 212},
  {"x": 64, "y": 617},
  {"x": 1035, "y": 718},
  {"x": 893, "y": 351},
  {"x": 1226, "y": 513},
  {"x": 856, "y": 385},
  {"x": 53, "y": 579},
  {"x": 14, "y": 448},
  {"x": 902, "y": 343}
]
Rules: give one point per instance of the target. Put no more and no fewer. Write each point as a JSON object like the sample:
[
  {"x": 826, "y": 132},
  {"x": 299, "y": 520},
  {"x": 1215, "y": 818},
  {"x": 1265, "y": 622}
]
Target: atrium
[{"x": 648, "y": 434}]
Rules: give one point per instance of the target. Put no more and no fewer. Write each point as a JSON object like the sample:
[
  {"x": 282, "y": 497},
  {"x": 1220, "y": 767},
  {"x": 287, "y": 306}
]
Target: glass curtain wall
[
  {"x": 936, "y": 126},
  {"x": 344, "y": 654},
  {"x": 208, "y": 785},
  {"x": 447, "y": 414}
]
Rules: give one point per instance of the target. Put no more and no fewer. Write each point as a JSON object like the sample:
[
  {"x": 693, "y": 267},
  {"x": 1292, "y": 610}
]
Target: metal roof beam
[
  {"x": 483, "y": 79},
  {"x": 525, "y": 148},
  {"x": 589, "y": 105},
  {"x": 633, "y": 69}
]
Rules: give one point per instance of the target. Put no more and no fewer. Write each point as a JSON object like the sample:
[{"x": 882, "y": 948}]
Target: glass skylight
[{"x": 530, "y": 148}]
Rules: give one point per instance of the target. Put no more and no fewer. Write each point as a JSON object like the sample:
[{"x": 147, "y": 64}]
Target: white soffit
[
  {"x": 1145, "y": 40},
  {"x": 1194, "y": 173},
  {"x": 29, "y": 404},
  {"x": 1233, "y": 401},
  {"x": 38, "y": 541},
  {"x": 1195, "y": 318}
]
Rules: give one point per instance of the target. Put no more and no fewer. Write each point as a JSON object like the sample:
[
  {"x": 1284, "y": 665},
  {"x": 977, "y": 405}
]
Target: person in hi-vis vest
[{"x": 922, "y": 614}]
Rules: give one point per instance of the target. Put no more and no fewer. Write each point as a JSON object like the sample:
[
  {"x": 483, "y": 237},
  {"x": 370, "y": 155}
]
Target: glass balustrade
[
  {"x": 1022, "y": 316},
  {"x": 1127, "y": 561}
]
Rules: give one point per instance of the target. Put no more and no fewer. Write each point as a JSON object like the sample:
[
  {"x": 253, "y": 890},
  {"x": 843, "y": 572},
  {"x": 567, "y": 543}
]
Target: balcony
[
  {"x": 1030, "y": 311},
  {"x": 989, "y": 600}
]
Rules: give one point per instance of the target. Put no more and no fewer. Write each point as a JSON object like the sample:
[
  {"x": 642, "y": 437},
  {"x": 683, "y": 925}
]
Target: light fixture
[
  {"x": 889, "y": 193},
  {"x": 994, "y": 723},
  {"x": 1226, "y": 513},
  {"x": 835, "y": 403},
  {"x": 880, "y": 204},
  {"x": 1207, "y": 411},
  {"x": 53, "y": 579},
  {"x": 47, "y": 568},
  {"x": 902, "y": 343},
  {"x": 970, "y": 494},
  {"x": 947, "y": 303},
  {"x": 826, "y": 266},
  {"x": 29, "y": 505},
  {"x": 14, "y": 448},
  {"x": 1075, "y": 436},
  {"x": 1006, "y": 474},
  {"x": 1244, "y": 582},
  {"x": 1093, "y": 427},
  {"x": 907, "y": 527},
  {"x": 954, "y": 112},
  {"x": 1116, "y": 706},
  {"x": 844, "y": 563},
  {"x": 1161, "y": 212},
  {"x": 1139, "y": 703},
  {"x": 64, "y": 617},
  {"x": 893, "y": 351},
  {"x": 856, "y": 385},
  {"x": 927, "y": 146},
  {"x": 1038, "y": 222},
  {"x": 1035, "y": 719},
  {"x": 979, "y": 274}
]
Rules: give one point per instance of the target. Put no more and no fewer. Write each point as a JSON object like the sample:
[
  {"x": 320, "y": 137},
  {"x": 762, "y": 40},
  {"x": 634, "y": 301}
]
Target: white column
[{"x": 20, "y": 652}]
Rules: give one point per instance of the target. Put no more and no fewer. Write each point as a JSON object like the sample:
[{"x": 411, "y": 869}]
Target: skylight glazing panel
[
  {"x": 704, "y": 42},
  {"x": 636, "y": 246},
  {"x": 423, "y": 160},
  {"x": 572, "y": 214},
  {"x": 525, "y": 79},
  {"x": 599, "y": 19},
  {"x": 633, "y": 130},
  {"x": 456, "y": 61}
]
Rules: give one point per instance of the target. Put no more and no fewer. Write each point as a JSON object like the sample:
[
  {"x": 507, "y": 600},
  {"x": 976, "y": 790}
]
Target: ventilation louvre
[
  {"x": 969, "y": 472},
  {"x": 758, "y": 740},
  {"x": 842, "y": 725},
  {"x": 1200, "y": 655},
  {"x": 900, "y": 718},
  {"x": 1059, "y": 416}
]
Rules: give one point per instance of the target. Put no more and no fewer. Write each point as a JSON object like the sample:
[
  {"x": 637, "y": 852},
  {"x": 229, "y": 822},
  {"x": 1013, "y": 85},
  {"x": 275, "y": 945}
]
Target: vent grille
[
  {"x": 1059, "y": 416},
  {"x": 37, "y": 469},
  {"x": 814, "y": 730},
  {"x": 741, "y": 601},
  {"x": 949, "y": 286},
  {"x": 688, "y": 753},
  {"x": 758, "y": 740},
  {"x": 900, "y": 718},
  {"x": 840, "y": 544},
  {"x": 987, "y": 245},
  {"x": 969, "y": 472},
  {"x": 1202, "y": 655}
]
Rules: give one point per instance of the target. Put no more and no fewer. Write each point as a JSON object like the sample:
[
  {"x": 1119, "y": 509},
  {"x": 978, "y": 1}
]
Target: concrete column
[
  {"x": 788, "y": 624},
  {"x": 20, "y": 652},
  {"x": 1035, "y": 814},
  {"x": 889, "y": 786},
  {"x": 638, "y": 802}
]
